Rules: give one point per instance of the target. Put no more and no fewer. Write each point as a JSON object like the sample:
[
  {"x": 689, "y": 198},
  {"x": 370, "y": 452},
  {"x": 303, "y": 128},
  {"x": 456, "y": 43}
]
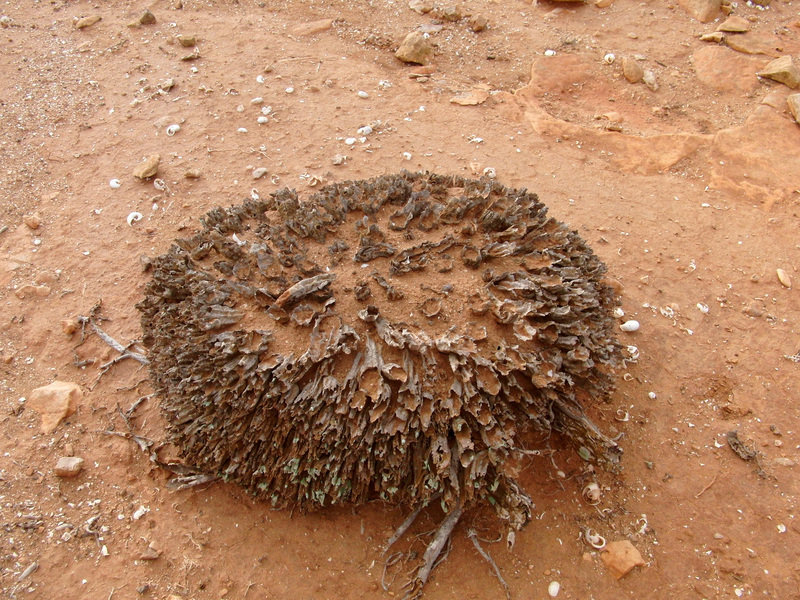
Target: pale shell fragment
[
  {"x": 490, "y": 172},
  {"x": 619, "y": 313},
  {"x": 609, "y": 58},
  {"x": 630, "y": 326},
  {"x": 553, "y": 589},
  {"x": 350, "y": 141},
  {"x": 363, "y": 94},
  {"x": 594, "y": 539},
  {"x": 260, "y": 79},
  {"x": 242, "y": 130},
  {"x": 703, "y": 308},
  {"x": 633, "y": 352},
  {"x": 133, "y": 217},
  {"x": 173, "y": 129},
  {"x": 549, "y": 52},
  {"x": 115, "y": 183},
  {"x": 591, "y": 494},
  {"x": 407, "y": 155},
  {"x": 784, "y": 278},
  {"x": 365, "y": 130},
  {"x": 652, "y": 395}
]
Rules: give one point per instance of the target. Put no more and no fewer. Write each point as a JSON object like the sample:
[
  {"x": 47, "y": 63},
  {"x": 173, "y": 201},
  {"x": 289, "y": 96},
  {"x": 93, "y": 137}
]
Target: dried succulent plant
[{"x": 386, "y": 338}]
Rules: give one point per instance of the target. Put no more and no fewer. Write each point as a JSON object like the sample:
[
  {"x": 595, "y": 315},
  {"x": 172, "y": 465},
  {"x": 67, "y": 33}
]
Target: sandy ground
[{"x": 689, "y": 193}]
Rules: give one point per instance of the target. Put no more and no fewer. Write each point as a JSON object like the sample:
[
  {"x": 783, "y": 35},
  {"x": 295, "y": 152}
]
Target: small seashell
[
  {"x": 619, "y": 313},
  {"x": 553, "y": 589},
  {"x": 622, "y": 415},
  {"x": 339, "y": 159},
  {"x": 630, "y": 326},
  {"x": 258, "y": 100},
  {"x": 365, "y": 130},
  {"x": 173, "y": 129},
  {"x": 195, "y": 70},
  {"x": 627, "y": 377},
  {"x": 490, "y": 172},
  {"x": 407, "y": 155},
  {"x": 591, "y": 494},
  {"x": 240, "y": 108},
  {"x": 633, "y": 352},
  {"x": 160, "y": 184},
  {"x": 784, "y": 278},
  {"x": 609, "y": 58},
  {"x": 652, "y": 395},
  {"x": 290, "y": 90},
  {"x": 260, "y": 79},
  {"x": 115, "y": 183},
  {"x": 242, "y": 130},
  {"x": 594, "y": 539},
  {"x": 262, "y": 120},
  {"x": 549, "y": 52},
  {"x": 363, "y": 94},
  {"x": 350, "y": 141},
  {"x": 133, "y": 217},
  {"x": 266, "y": 110},
  {"x": 703, "y": 308}
]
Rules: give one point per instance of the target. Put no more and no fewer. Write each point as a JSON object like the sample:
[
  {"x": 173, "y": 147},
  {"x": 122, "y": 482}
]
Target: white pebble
[
  {"x": 140, "y": 512},
  {"x": 366, "y": 130},
  {"x": 407, "y": 155},
  {"x": 258, "y": 100},
  {"x": 260, "y": 79},
  {"x": 265, "y": 110},
  {"x": 262, "y": 119},
  {"x": 290, "y": 90},
  {"x": 350, "y": 141},
  {"x": 652, "y": 395},
  {"x": 549, "y": 52},
  {"x": 609, "y": 58},
  {"x": 553, "y": 589},
  {"x": 629, "y": 326},
  {"x": 242, "y": 130},
  {"x": 363, "y": 94},
  {"x": 240, "y": 108},
  {"x": 115, "y": 183}
]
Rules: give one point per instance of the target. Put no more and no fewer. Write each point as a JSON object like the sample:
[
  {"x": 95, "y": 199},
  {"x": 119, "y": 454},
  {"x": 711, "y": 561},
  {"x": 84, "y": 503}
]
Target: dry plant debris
[{"x": 395, "y": 338}]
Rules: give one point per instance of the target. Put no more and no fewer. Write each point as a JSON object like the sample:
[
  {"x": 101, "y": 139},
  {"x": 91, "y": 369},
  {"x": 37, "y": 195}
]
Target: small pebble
[
  {"x": 242, "y": 130},
  {"x": 260, "y": 79},
  {"x": 258, "y": 100},
  {"x": 69, "y": 466},
  {"x": 363, "y": 94},
  {"x": 290, "y": 90},
  {"x": 338, "y": 159},
  {"x": 652, "y": 395},
  {"x": 259, "y": 173},
  {"x": 366, "y": 130},
  {"x": 549, "y": 52},
  {"x": 262, "y": 119},
  {"x": 350, "y": 141},
  {"x": 553, "y": 589}
]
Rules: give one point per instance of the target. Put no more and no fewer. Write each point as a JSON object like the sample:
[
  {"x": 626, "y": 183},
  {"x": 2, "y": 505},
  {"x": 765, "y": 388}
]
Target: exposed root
[
  {"x": 431, "y": 556},
  {"x": 474, "y": 537}
]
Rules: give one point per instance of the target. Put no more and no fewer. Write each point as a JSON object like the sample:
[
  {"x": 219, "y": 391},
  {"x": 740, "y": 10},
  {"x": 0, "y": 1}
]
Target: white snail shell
[
  {"x": 630, "y": 326},
  {"x": 115, "y": 183},
  {"x": 609, "y": 58},
  {"x": 133, "y": 217},
  {"x": 173, "y": 129},
  {"x": 591, "y": 494}
]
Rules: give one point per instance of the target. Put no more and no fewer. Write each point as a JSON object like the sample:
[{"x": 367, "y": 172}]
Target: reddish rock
[
  {"x": 415, "y": 49},
  {"x": 69, "y": 466},
  {"x": 621, "y": 557},
  {"x": 704, "y": 11},
  {"x": 55, "y": 402}
]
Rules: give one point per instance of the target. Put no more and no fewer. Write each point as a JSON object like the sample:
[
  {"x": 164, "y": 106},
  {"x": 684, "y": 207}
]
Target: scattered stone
[
  {"x": 146, "y": 18},
  {"x": 32, "y": 221},
  {"x": 735, "y": 25},
  {"x": 69, "y": 466},
  {"x": 704, "y": 11},
  {"x": 726, "y": 71},
  {"x": 752, "y": 43},
  {"x": 422, "y": 72},
  {"x": 451, "y": 13},
  {"x": 192, "y": 174},
  {"x": 193, "y": 56},
  {"x": 471, "y": 98},
  {"x": 794, "y": 107},
  {"x": 603, "y": 3},
  {"x": 55, "y": 402},
  {"x": 148, "y": 167},
  {"x": 259, "y": 172},
  {"x": 422, "y": 7},
  {"x": 145, "y": 262},
  {"x": 621, "y": 557},
  {"x": 149, "y": 553},
  {"x": 339, "y": 159},
  {"x": 478, "y": 23},
  {"x": 632, "y": 70},
  {"x": 87, "y": 21},
  {"x": 312, "y": 27},
  {"x": 784, "y": 278},
  {"x": 187, "y": 41},
  {"x": 167, "y": 84},
  {"x": 415, "y": 49},
  {"x": 784, "y": 462},
  {"x": 649, "y": 79},
  {"x": 6, "y": 21},
  {"x": 28, "y": 291},
  {"x": 754, "y": 309},
  {"x": 69, "y": 449},
  {"x": 717, "y": 37},
  {"x": 782, "y": 70},
  {"x": 69, "y": 326}
]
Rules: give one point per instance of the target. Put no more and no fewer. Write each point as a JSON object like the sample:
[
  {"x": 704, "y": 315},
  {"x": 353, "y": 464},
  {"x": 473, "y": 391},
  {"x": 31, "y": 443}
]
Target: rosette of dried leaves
[{"x": 386, "y": 338}]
